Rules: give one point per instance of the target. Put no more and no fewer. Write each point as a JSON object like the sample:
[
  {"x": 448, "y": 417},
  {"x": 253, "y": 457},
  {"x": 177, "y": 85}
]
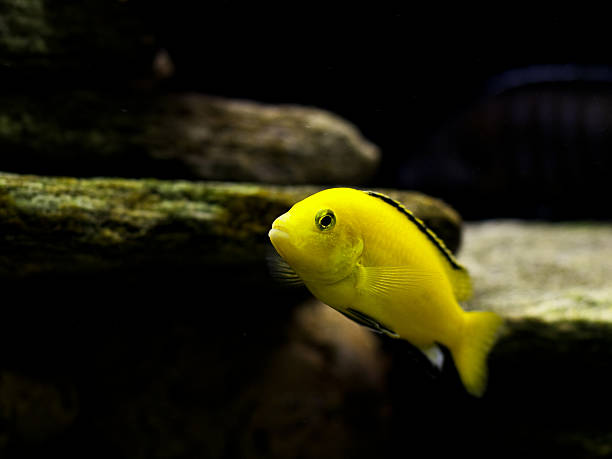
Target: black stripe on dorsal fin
[{"x": 434, "y": 239}]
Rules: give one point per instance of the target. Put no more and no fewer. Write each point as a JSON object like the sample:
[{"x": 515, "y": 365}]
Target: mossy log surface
[{"x": 52, "y": 224}]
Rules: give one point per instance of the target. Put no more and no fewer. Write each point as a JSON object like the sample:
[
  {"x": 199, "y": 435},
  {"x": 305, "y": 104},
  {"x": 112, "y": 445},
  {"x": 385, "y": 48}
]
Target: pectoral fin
[
  {"x": 387, "y": 280},
  {"x": 281, "y": 271}
]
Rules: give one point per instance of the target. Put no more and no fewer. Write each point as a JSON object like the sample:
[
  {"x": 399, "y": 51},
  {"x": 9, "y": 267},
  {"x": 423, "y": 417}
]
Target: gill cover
[{"x": 318, "y": 241}]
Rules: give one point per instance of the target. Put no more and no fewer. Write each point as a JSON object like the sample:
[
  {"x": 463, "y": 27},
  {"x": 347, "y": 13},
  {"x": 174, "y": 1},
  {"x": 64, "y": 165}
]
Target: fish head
[{"x": 319, "y": 240}]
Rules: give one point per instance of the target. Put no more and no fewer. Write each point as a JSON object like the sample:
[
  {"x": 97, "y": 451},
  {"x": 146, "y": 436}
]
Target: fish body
[{"x": 371, "y": 259}]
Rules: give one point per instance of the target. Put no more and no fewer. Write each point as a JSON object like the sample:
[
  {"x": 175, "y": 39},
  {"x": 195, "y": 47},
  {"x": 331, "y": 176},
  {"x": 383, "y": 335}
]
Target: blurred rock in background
[
  {"x": 180, "y": 136},
  {"x": 81, "y": 97}
]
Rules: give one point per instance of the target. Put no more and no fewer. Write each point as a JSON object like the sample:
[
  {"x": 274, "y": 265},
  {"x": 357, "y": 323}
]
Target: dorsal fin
[{"x": 457, "y": 274}]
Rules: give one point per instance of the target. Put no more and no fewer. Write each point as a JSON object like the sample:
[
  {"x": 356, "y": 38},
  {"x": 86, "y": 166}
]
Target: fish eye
[{"x": 325, "y": 219}]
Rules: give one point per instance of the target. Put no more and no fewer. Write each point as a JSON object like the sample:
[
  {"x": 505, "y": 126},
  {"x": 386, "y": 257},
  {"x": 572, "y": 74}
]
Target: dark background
[{"x": 433, "y": 91}]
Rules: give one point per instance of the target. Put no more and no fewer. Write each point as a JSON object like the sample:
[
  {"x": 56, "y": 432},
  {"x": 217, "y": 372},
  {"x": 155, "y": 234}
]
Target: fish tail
[{"x": 470, "y": 355}]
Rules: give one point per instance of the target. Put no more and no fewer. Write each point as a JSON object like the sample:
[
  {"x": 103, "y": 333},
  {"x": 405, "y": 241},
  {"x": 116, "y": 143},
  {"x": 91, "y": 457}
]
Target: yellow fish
[{"x": 371, "y": 259}]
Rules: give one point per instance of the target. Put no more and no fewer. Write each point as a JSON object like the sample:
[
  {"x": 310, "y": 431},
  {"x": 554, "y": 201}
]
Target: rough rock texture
[
  {"x": 551, "y": 372},
  {"x": 191, "y": 136},
  {"x": 541, "y": 271},
  {"x": 65, "y": 224}
]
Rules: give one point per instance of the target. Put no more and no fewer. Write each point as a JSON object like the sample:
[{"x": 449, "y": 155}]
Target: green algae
[{"x": 67, "y": 224}]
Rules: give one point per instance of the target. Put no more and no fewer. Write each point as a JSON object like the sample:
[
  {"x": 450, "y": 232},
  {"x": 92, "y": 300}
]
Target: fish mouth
[
  {"x": 280, "y": 240},
  {"x": 278, "y": 234}
]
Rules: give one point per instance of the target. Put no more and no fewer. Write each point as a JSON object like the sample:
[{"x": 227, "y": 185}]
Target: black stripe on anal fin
[
  {"x": 435, "y": 240},
  {"x": 367, "y": 321},
  {"x": 363, "y": 323}
]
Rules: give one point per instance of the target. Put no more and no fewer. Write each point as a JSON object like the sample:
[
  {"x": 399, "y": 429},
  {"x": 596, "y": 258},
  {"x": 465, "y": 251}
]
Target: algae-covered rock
[
  {"x": 66, "y": 224},
  {"x": 190, "y": 136}
]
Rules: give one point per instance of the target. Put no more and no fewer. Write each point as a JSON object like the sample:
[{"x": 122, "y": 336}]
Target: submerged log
[{"x": 67, "y": 225}]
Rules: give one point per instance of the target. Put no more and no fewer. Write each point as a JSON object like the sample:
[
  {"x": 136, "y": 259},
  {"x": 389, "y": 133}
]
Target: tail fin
[{"x": 470, "y": 355}]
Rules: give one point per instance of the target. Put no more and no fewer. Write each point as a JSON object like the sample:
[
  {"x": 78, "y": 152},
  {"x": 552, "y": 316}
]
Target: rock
[
  {"x": 256, "y": 387},
  {"x": 326, "y": 383},
  {"x": 70, "y": 225},
  {"x": 74, "y": 42},
  {"x": 188, "y": 136},
  {"x": 221, "y": 139},
  {"x": 33, "y": 411},
  {"x": 552, "y": 284},
  {"x": 552, "y": 365},
  {"x": 552, "y": 273},
  {"x": 94, "y": 110}
]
